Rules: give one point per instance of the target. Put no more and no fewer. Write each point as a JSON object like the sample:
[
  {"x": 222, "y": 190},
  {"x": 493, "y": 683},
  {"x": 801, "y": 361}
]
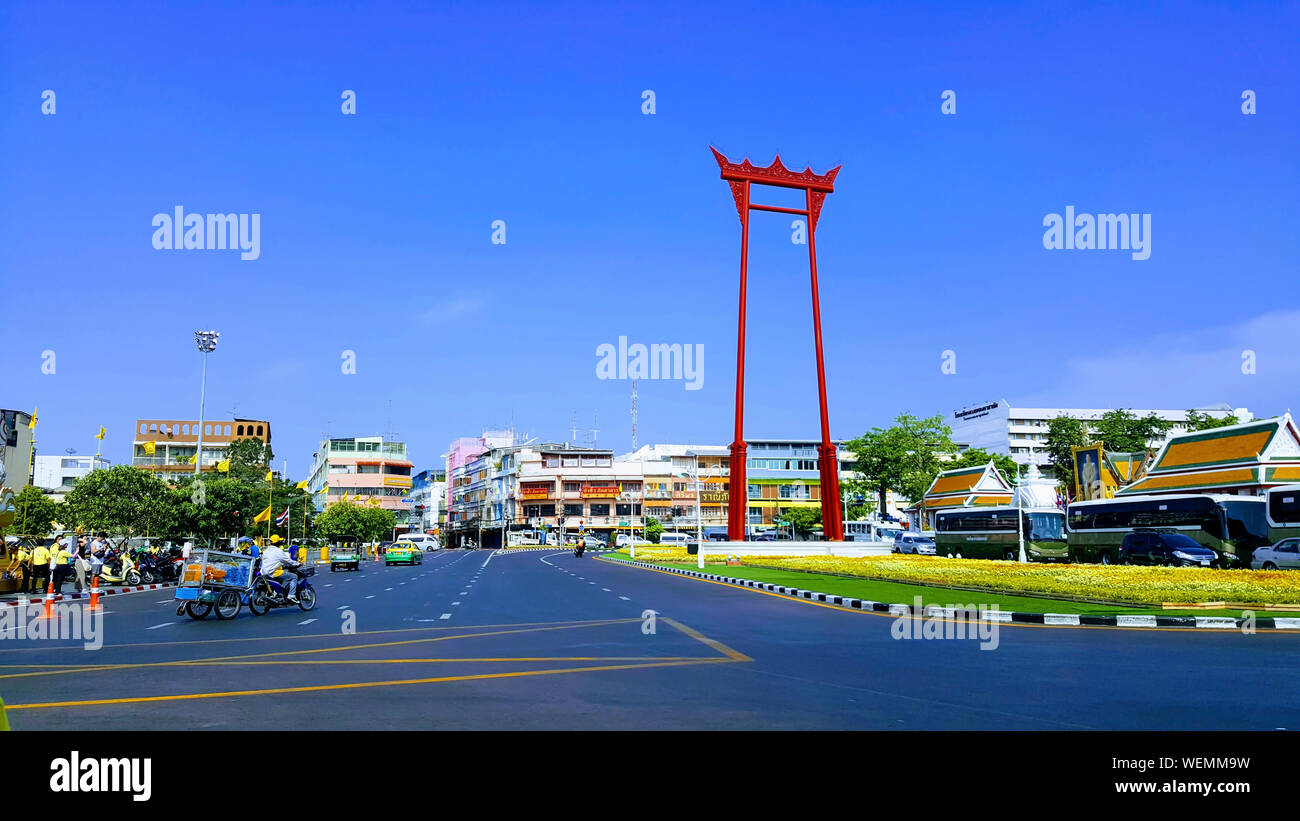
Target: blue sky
[{"x": 376, "y": 228}]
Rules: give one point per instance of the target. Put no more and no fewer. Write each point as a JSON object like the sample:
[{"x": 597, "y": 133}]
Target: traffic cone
[
  {"x": 94, "y": 595},
  {"x": 49, "y": 600}
]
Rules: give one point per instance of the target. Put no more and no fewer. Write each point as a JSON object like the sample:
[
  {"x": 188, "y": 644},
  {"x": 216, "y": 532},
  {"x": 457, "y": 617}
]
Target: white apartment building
[
  {"x": 55, "y": 472},
  {"x": 1000, "y": 427}
]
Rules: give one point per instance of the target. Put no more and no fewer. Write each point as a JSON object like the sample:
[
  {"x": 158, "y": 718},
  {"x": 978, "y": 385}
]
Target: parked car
[
  {"x": 1285, "y": 555},
  {"x": 674, "y": 538},
  {"x": 1160, "y": 548},
  {"x": 765, "y": 536},
  {"x": 624, "y": 540},
  {"x": 915, "y": 544}
]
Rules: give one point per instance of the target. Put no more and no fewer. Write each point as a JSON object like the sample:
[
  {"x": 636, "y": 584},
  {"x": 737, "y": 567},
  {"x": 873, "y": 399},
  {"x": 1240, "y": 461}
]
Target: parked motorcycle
[
  {"x": 120, "y": 568},
  {"x": 267, "y": 593}
]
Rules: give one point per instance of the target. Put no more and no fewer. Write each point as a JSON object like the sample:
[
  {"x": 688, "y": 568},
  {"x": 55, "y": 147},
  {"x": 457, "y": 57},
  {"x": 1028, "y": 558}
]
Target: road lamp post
[{"x": 207, "y": 342}]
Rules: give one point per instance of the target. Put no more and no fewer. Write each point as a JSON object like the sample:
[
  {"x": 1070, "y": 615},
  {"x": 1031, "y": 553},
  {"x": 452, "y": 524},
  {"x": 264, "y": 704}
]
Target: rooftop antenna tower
[
  {"x": 573, "y": 427},
  {"x": 634, "y": 418},
  {"x": 595, "y": 431}
]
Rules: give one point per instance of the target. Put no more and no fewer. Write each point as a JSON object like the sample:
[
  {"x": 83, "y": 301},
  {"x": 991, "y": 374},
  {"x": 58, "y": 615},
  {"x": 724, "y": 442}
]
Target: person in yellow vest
[
  {"x": 40, "y": 568},
  {"x": 20, "y": 566},
  {"x": 59, "y": 567}
]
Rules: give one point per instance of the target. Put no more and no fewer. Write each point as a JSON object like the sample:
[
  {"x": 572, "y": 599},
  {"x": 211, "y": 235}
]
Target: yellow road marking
[
  {"x": 357, "y": 685},
  {"x": 328, "y": 635},
  {"x": 183, "y": 662}
]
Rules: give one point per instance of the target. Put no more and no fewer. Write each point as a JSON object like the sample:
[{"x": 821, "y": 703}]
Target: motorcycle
[
  {"x": 266, "y": 593},
  {"x": 119, "y": 568},
  {"x": 580, "y": 548}
]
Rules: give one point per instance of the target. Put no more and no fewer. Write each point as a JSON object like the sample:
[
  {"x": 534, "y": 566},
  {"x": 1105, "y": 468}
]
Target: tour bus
[
  {"x": 992, "y": 533},
  {"x": 1232, "y": 526},
  {"x": 1283, "y": 513}
]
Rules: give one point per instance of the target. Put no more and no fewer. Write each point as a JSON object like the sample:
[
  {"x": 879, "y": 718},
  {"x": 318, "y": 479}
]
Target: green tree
[
  {"x": 1204, "y": 421},
  {"x": 377, "y": 523},
  {"x": 223, "y": 508},
  {"x": 903, "y": 458},
  {"x": 803, "y": 519},
  {"x": 653, "y": 529},
  {"x": 33, "y": 513},
  {"x": 122, "y": 500},
  {"x": 341, "y": 519},
  {"x": 250, "y": 459},
  {"x": 1063, "y": 433},
  {"x": 1123, "y": 431}
]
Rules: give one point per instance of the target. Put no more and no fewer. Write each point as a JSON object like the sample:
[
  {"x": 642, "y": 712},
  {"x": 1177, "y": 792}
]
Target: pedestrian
[
  {"x": 79, "y": 563},
  {"x": 20, "y": 567},
  {"x": 40, "y": 568},
  {"x": 59, "y": 558}
]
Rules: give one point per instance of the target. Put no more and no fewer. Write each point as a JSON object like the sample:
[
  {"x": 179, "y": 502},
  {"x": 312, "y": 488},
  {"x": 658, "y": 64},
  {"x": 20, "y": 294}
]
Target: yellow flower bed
[
  {"x": 659, "y": 553},
  {"x": 1147, "y": 585}
]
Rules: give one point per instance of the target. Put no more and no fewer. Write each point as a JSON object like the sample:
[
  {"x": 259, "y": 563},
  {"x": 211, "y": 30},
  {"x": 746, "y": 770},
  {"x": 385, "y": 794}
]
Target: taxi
[{"x": 403, "y": 552}]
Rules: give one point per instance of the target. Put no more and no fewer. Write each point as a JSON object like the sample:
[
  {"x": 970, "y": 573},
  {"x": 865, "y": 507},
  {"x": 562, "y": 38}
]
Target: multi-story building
[
  {"x": 363, "y": 468},
  {"x": 428, "y": 491},
  {"x": 175, "y": 441},
  {"x": 998, "y": 427},
  {"x": 16, "y": 449},
  {"x": 60, "y": 473},
  {"x": 495, "y": 488}
]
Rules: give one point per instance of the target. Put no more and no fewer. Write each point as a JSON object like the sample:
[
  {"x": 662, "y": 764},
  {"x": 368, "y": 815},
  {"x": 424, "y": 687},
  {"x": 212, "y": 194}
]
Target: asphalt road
[{"x": 544, "y": 640}]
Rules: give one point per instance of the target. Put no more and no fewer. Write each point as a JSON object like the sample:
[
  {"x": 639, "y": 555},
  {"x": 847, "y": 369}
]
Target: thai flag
[{"x": 282, "y": 518}]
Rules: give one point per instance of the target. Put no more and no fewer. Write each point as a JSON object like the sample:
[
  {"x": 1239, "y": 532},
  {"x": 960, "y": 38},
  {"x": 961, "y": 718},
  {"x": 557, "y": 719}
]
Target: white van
[
  {"x": 625, "y": 540},
  {"x": 423, "y": 541},
  {"x": 674, "y": 538}
]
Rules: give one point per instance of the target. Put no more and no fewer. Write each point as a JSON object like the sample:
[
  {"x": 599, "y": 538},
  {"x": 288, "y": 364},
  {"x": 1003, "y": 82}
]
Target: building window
[
  {"x": 572, "y": 487},
  {"x": 599, "y": 510},
  {"x": 573, "y": 509},
  {"x": 755, "y": 492}
]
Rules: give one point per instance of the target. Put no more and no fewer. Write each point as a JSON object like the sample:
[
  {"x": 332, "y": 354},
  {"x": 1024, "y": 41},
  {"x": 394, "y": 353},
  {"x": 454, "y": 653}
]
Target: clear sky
[{"x": 376, "y": 227}]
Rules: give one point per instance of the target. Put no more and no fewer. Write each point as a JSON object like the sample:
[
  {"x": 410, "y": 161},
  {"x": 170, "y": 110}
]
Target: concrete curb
[
  {"x": 1060, "y": 619},
  {"x": 105, "y": 591}
]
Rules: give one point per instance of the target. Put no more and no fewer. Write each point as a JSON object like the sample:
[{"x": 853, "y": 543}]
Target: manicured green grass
[{"x": 900, "y": 593}]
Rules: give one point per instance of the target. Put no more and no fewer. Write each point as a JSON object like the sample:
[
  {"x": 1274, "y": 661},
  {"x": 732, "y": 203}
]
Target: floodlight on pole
[{"x": 207, "y": 342}]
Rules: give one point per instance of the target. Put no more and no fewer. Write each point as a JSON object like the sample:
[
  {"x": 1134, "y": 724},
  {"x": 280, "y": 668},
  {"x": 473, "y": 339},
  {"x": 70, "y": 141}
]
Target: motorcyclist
[{"x": 274, "y": 563}]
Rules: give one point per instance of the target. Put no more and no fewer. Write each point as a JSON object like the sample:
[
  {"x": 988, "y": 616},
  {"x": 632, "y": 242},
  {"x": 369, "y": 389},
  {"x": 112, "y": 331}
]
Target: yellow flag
[
  {"x": 325, "y": 488},
  {"x": 373, "y": 501},
  {"x": 150, "y": 448},
  {"x": 345, "y": 496},
  {"x": 100, "y": 435},
  {"x": 269, "y": 476},
  {"x": 194, "y": 460},
  {"x": 302, "y": 485},
  {"x": 264, "y": 516},
  {"x": 223, "y": 466},
  {"x": 31, "y": 425}
]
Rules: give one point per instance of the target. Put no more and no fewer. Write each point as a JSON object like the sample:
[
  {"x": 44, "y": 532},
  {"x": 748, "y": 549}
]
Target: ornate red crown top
[{"x": 776, "y": 174}]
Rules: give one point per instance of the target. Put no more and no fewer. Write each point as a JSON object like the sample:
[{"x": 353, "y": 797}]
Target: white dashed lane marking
[
  {"x": 308, "y": 621},
  {"x": 164, "y": 624},
  {"x": 445, "y": 616},
  {"x": 625, "y": 598}
]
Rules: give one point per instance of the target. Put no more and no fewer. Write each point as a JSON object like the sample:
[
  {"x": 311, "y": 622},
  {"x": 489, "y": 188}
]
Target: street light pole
[{"x": 207, "y": 342}]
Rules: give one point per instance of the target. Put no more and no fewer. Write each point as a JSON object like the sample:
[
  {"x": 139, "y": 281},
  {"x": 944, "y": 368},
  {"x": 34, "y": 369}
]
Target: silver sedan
[{"x": 1285, "y": 555}]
